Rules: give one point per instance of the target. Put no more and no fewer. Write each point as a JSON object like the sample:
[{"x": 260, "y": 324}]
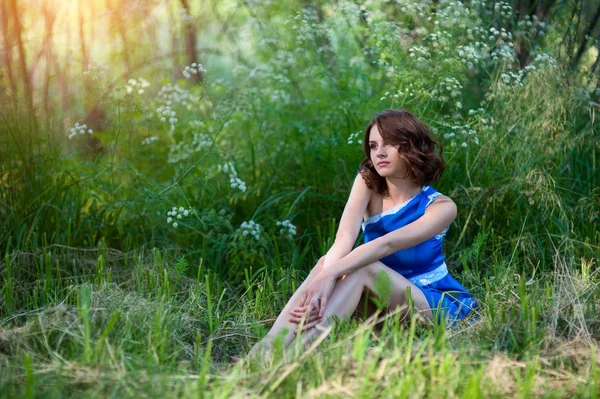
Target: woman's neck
[{"x": 401, "y": 190}]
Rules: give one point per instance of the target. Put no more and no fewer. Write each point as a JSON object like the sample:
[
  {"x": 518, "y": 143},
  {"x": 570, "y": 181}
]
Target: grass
[
  {"x": 101, "y": 296},
  {"x": 135, "y": 326}
]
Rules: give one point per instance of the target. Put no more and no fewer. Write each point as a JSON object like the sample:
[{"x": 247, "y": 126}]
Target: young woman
[{"x": 403, "y": 220}]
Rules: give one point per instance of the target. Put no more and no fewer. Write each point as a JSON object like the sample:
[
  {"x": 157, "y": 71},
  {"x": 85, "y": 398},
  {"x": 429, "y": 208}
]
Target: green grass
[
  {"x": 127, "y": 337},
  {"x": 101, "y": 296}
]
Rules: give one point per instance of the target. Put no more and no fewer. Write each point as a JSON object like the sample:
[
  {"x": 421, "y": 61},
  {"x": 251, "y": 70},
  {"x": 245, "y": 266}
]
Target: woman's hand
[{"x": 314, "y": 301}]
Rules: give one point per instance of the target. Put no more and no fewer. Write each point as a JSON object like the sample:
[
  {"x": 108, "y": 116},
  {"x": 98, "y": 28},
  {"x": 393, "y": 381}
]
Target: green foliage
[
  {"x": 383, "y": 290},
  {"x": 137, "y": 259}
]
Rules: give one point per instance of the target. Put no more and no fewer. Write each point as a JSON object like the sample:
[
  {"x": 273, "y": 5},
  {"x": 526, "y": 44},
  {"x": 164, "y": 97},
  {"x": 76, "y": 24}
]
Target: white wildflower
[
  {"x": 140, "y": 84},
  {"x": 234, "y": 180},
  {"x": 287, "y": 229},
  {"x": 177, "y": 214},
  {"x": 96, "y": 71},
  {"x": 355, "y": 138},
  {"x": 166, "y": 111},
  {"x": 193, "y": 69},
  {"x": 250, "y": 228},
  {"x": 79, "y": 129},
  {"x": 149, "y": 140}
]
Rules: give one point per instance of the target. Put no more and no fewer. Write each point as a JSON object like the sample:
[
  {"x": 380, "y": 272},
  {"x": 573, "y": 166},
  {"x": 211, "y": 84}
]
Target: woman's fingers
[
  {"x": 314, "y": 303},
  {"x": 305, "y": 299},
  {"x": 301, "y": 309},
  {"x": 295, "y": 317},
  {"x": 307, "y": 319},
  {"x": 297, "y": 314},
  {"x": 308, "y": 325},
  {"x": 322, "y": 307},
  {"x": 302, "y": 313}
]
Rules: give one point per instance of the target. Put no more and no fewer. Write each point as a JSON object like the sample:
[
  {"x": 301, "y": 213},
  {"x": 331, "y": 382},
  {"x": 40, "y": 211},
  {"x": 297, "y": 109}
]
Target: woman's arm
[
  {"x": 349, "y": 222},
  {"x": 437, "y": 217}
]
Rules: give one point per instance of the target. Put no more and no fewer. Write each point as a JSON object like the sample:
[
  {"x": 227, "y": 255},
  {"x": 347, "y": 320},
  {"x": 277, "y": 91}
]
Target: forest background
[{"x": 170, "y": 170}]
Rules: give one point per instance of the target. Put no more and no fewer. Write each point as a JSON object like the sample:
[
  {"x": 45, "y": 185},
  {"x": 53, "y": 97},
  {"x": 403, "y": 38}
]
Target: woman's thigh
[{"x": 370, "y": 276}]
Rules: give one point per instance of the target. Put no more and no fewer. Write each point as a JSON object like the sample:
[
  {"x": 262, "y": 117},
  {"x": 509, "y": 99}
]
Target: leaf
[{"x": 383, "y": 289}]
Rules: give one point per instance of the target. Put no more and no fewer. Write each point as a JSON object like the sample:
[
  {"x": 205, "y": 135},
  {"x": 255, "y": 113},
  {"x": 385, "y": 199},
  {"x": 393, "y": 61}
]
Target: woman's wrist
[{"x": 327, "y": 272}]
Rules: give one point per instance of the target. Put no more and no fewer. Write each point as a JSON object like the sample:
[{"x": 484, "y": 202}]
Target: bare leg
[
  {"x": 282, "y": 322},
  {"x": 347, "y": 293}
]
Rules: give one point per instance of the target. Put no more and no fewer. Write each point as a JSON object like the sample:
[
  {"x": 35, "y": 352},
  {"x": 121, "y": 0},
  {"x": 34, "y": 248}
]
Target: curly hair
[{"x": 416, "y": 145}]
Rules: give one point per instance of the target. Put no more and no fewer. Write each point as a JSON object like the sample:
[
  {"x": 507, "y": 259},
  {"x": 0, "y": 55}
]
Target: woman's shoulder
[
  {"x": 429, "y": 195},
  {"x": 361, "y": 183}
]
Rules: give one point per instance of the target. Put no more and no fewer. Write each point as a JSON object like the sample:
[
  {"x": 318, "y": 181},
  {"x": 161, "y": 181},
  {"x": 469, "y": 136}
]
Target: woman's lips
[{"x": 382, "y": 164}]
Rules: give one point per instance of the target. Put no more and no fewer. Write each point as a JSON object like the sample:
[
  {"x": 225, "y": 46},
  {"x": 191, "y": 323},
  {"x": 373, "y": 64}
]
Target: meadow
[{"x": 158, "y": 205}]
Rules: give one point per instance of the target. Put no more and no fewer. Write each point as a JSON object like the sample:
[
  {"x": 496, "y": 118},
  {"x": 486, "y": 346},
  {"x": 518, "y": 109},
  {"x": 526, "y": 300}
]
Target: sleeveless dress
[{"x": 423, "y": 264}]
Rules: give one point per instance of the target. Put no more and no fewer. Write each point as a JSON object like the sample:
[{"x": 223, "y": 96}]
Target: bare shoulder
[
  {"x": 373, "y": 201},
  {"x": 440, "y": 199},
  {"x": 442, "y": 203},
  {"x": 355, "y": 209},
  {"x": 362, "y": 195},
  {"x": 360, "y": 188},
  {"x": 359, "y": 183}
]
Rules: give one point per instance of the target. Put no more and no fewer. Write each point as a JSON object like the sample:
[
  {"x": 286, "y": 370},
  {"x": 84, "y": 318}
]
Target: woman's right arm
[{"x": 350, "y": 221}]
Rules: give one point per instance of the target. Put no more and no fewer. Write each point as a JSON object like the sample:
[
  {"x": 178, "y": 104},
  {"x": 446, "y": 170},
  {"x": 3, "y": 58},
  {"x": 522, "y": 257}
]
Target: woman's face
[{"x": 385, "y": 157}]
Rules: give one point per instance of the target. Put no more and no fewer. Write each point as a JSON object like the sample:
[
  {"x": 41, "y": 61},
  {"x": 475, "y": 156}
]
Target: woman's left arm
[
  {"x": 436, "y": 218},
  {"x": 439, "y": 215}
]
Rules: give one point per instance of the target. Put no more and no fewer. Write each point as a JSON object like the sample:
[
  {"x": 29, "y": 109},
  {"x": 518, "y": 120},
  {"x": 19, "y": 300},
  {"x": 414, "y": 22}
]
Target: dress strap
[{"x": 431, "y": 195}]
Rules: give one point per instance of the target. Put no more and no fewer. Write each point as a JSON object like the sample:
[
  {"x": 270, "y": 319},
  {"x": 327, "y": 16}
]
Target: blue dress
[{"x": 423, "y": 264}]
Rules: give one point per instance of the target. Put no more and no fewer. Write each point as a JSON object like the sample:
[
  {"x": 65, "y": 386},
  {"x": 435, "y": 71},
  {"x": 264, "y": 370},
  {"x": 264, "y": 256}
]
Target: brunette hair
[{"x": 416, "y": 144}]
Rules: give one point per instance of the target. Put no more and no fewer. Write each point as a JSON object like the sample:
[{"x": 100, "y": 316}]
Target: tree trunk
[
  {"x": 176, "y": 70},
  {"x": 84, "y": 54},
  {"x": 593, "y": 70},
  {"x": 116, "y": 11},
  {"x": 8, "y": 46},
  {"x": 22, "y": 59},
  {"x": 540, "y": 9},
  {"x": 586, "y": 34},
  {"x": 190, "y": 38},
  {"x": 49, "y": 19},
  {"x": 64, "y": 90},
  {"x": 573, "y": 32}
]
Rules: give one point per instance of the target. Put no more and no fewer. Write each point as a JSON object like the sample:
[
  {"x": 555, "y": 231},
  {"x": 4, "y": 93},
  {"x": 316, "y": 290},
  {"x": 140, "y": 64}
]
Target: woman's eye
[{"x": 373, "y": 147}]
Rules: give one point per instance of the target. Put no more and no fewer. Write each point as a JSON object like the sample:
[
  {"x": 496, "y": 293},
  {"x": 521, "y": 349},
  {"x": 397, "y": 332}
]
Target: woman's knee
[
  {"x": 366, "y": 276},
  {"x": 378, "y": 274},
  {"x": 367, "y": 273},
  {"x": 358, "y": 277}
]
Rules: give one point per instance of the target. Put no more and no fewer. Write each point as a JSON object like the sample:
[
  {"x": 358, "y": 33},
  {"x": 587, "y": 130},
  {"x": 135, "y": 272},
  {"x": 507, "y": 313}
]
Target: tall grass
[{"x": 100, "y": 293}]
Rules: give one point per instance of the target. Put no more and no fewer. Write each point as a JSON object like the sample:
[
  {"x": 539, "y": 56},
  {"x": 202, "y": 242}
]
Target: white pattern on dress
[
  {"x": 431, "y": 197},
  {"x": 430, "y": 277},
  {"x": 442, "y": 234},
  {"x": 376, "y": 218}
]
